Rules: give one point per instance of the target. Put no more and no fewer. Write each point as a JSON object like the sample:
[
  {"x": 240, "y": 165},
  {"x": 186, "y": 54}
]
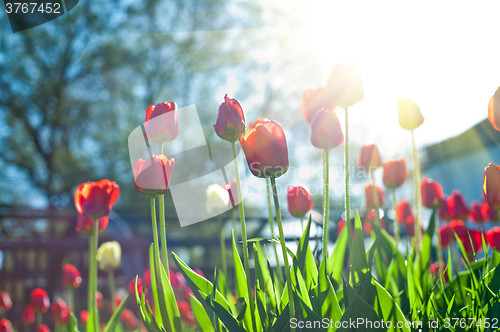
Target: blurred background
[{"x": 73, "y": 89}]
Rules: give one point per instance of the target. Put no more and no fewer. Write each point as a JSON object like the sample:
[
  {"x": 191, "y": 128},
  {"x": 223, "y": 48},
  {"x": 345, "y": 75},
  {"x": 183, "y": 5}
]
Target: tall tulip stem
[
  {"x": 326, "y": 197},
  {"x": 439, "y": 248},
  {"x": 222, "y": 246},
  {"x": 271, "y": 224},
  {"x": 244, "y": 238},
  {"x": 375, "y": 197},
  {"x": 90, "y": 302},
  {"x": 283, "y": 248},
  {"x": 396, "y": 220},
  {"x": 39, "y": 318},
  {"x": 163, "y": 232},
  {"x": 346, "y": 176},
  {"x": 94, "y": 271},
  {"x": 71, "y": 298},
  {"x": 416, "y": 183},
  {"x": 111, "y": 279}
]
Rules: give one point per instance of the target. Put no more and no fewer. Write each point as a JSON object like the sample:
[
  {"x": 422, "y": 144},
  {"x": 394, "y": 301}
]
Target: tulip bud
[
  {"x": 299, "y": 201},
  {"x": 447, "y": 232},
  {"x": 491, "y": 186},
  {"x": 494, "y": 110},
  {"x": 409, "y": 114},
  {"x": 5, "y": 301},
  {"x": 258, "y": 120},
  {"x": 60, "y": 311},
  {"x": 457, "y": 205},
  {"x": 109, "y": 255},
  {"x": 370, "y": 199},
  {"x": 43, "y": 328},
  {"x": 404, "y": 212},
  {"x": 162, "y": 122},
  {"x": 146, "y": 277},
  {"x": 71, "y": 276},
  {"x": 313, "y": 101},
  {"x": 492, "y": 237},
  {"x": 40, "y": 300},
  {"x": 266, "y": 150},
  {"x": 233, "y": 192},
  {"x": 6, "y": 325},
  {"x": 230, "y": 122},
  {"x": 85, "y": 225},
  {"x": 326, "y": 132},
  {"x": 84, "y": 316},
  {"x": 431, "y": 193},
  {"x": 410, "y": 227},
  {"x": 367, "y": 226},
  {"x": 217, "y": 199},
  {"x": 488, "y": 213},
  {"x": 152, "y": 176},
  {"x": 28, "y": 316},
  {"x": 445, "y": 212},
  {"x": 369, "y": 158},
  {"x": 395, "y": 173},
  {"x": 345, "y": 85},
  {"x": 95, "y": 199}
]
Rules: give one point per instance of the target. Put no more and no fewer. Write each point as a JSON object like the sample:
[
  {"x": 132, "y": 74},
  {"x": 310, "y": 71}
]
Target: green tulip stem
[
  {"x": 283, "y": 249},
  {"x": 375, "y": 197},
  {"x": 326, "y": 203},
  {"x": 90, "y": 303},
  {"x": 71, "y": 298},
  {"x": 163, "y": 231},
  {"x": 39, "y": 318},
  {"x": 94, "y": 276},
  {"x": 396, "y": 220},
  {"x": 302, "y": 224},
  {"x": 112, "y": 288},
  {"x": 222, "y": 246},
  {"x": 439, "y": 248},
  {"x": 271, "y": 224},
  {"x": 244, "y": 238},
  {"x": 346, "y": 175},
  {"x": 416, "y": 183}
]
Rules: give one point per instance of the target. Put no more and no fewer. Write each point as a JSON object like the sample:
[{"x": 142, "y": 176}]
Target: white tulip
[
  {"x": 109, "y": 255},
  {"x": 217, "y": 199}
]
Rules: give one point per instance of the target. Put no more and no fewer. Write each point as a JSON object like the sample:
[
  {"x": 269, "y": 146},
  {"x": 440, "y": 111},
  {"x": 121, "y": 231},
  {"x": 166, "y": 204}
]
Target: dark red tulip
[
  {"x": 367, "y": 227},
  {"x": 129, "y": 319},
  {"x": 491, "y": 186},
  {"x": 43, "y": 328},
  {"x": 395, "y": 173},
  {"x": 313, "y": 101},
  {"x": 409, "y": 114},
  {"x": 488, "y": 213},
  {"x": 6, "y": 325},
  {"x": 85, "y": 225},
  {"x": 494, "y": 110},
  {"x": 410, "y": 227},
  {"x": 152, "y": 176},
  {"x": 258, "y": 120},
  {"x": 60, "y": 311},
  {"x": 71, "y": 276},
  {"x": 345, "y": 85},
  {"x": 84, "y": 316},
  {"x": 476, "y": 213},
  {"x": 230, "y": 122},
  {"x": 95, "y": 199},
  {"x": 40, "y": 300},
  {"x": 472, "y": 242},
  {"x": 432, "y": 193},
  {"x": 404, "y": 212},
  {"x": 370, "y": 199},
  {"x": 447, "y": 232},
  {"x": 162, "y": 122},
  {"x": 326, "y": 132},
  {"x": 233, "y": 192},
  {"x": 117, "y": 300},
  {"x": 369, "y": 158},
  {"x": 5, "y": 301},
  {"x": 445, "y": 211},
  {"x": 492, "y": 237},
  {"x": 299, "y": 201},
  {"x": 266, "y": 150},
  {"x": 458, "y": 206},
  {"x": 28, "y": 316},
  {"x": 140, "y": 286},
  {"x": 100, "y": 300}
]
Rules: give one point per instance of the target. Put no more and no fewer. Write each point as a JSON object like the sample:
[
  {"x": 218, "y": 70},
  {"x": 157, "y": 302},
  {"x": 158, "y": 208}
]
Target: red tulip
[
  {"x": 60, "y": 311},
  {"x": 404, "y": 212},
  {"x": 85, "y": 225},
  {"x": 117, "y": 299},
  {"x": 341, "y": 225},
  {"x": 345, "y": 85},
  {"x": 326, "y": 133},
  {"x": 491, "y": 186},
  {"x": 492, "y": 237},
  {"x": 129, "y": 319},
  {"x": 299, "y": 201},
  {"x": 40, "y": 300},
  {"x": 43, "y": 328},
  {"x": 410, "y": 227},
  {"x": 258, "y": 120},
  {"x": 266, "y": 150},
  {"x": 233, "y": 192},
  {"x": 432, "y": 193},
  {"x": 313, "y": 101},
  {"x": 28, "y": 316},
  {"x": 367, "y": 227},
  {"x": 476, "y": 213},
  {"x": 71, "y": 276},
  {"x": 494, "y": 110},
  {"x": 437, "y": 270},
  {"x": 230, "y": 122},
  {"x": 140, "y": 286},
  {"x": 5, "y": 301},
  {"x": 84, "y": 316},
  {"x": 488, "y": 213},
  {"x": 409, "y": 114},
  {"x": 198, "y": 272},
  {"x": 445, "y": 211},
  {"x": 95, "y": 199},
  {"x": 458, "y": 206},
  {"x": 447, "y": 232},
  {"x": 166, "y": 127},
  {"x": 146, "y": 277},
  {"x": 100, "y": 300},
  {"x": 152, "y": 176},
  {"x": 369, "y": 158},
  {"x": 370, "y": 199},
  {"x": 472, "y": 242},
  {"x": 185, "y": 312},
  {"x": 6, "y": 325},
  {"x": 395, "y": 173}
]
